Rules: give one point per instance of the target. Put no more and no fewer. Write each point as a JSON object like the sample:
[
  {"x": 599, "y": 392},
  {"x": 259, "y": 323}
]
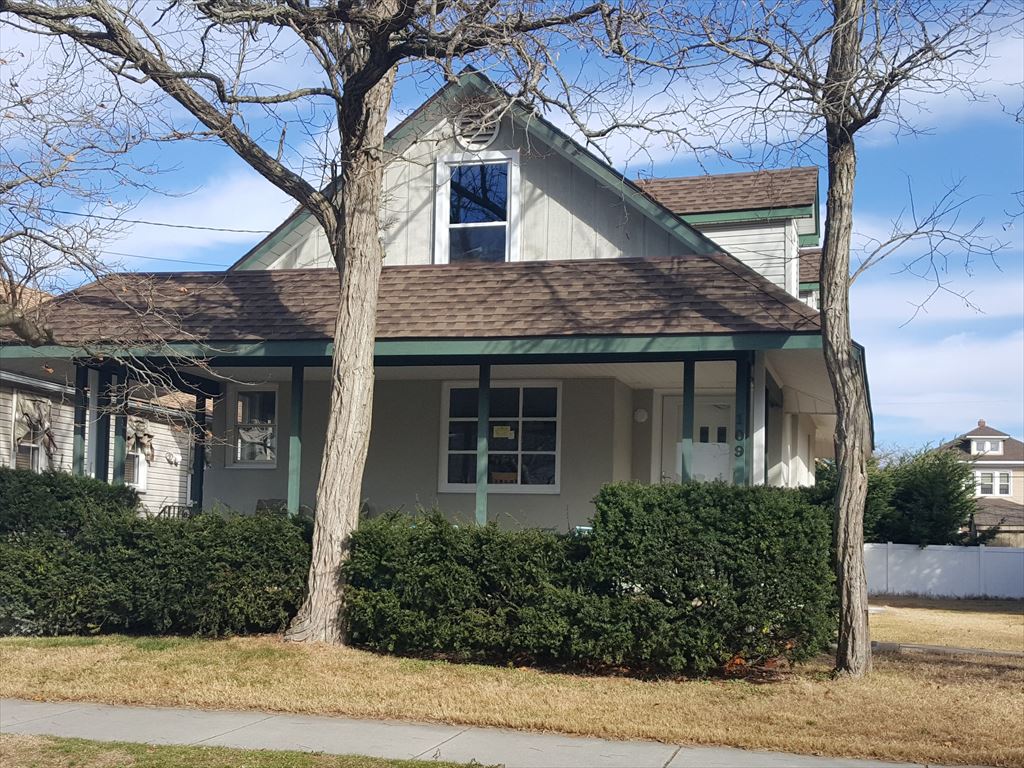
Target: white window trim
[
  {"x": 995, "y": 482},
  {"x": 442, "y": 199},
  {"x": 997, "y": 451},
  {"x": 141, "y": 471},
  {"x": 40, "y": 462},
  {"x": 230, "y": 427},
  {"x": 443, "y": 486}
]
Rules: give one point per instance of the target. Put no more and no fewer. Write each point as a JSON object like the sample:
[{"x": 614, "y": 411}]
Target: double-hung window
[
  {"x": 523, "y": 436},
  {"x": 993, "y": 483},
  {"x": 135, "y": 470},
  {"x": 477, "y": 208},
  {"x": 255, "y": 428}
]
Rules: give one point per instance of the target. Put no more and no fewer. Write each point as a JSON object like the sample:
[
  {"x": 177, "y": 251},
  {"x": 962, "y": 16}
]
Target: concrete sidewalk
[{"x": 377, "y": 738}]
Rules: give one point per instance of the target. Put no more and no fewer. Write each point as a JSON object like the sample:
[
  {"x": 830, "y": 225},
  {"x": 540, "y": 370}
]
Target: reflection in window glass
[{"x": 478, "y": 212}]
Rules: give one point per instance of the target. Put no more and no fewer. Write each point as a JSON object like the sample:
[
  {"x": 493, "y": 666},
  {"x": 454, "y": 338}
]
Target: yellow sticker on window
[{"x": 503, "y": 431}]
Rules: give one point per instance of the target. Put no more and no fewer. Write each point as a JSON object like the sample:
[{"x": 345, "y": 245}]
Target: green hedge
[
  {"x": 76, "y": 558},
  {"x": 672, "y": 579}
]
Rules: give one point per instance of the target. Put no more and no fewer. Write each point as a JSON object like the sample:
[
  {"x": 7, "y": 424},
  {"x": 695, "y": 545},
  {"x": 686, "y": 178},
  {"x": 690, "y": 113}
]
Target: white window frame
[
  {"x": 141, "y": 472},
  {"x": 443, "y": 486},
  {"x": 232, "y": 426},
  {"x": 40, "y": 461},
  {"x": 442, "y": 199},
  {"x": 995, "y": 482},
  {"x": 992, "y": 447}
]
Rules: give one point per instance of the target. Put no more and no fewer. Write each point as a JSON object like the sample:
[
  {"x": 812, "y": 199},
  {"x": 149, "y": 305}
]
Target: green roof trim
[
  {"x": 810, "y": 286},
  {"x": 759, "y": 214},
  {"x": 429, "y": 349},
  {"x": 536, "y": 126},
  {"x": 811, "y": 239}
]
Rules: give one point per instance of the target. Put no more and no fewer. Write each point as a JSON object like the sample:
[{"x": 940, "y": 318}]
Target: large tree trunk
[
  {"x": 359, "y": 256},
  {"x": 845, "y": 368}
]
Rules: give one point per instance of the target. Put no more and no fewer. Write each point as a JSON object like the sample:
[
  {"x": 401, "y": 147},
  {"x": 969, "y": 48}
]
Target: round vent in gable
[{"x": 476, "y": 129}]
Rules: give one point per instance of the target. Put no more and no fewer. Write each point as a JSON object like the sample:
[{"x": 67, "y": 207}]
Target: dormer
[{"x": 986, "y": 441}]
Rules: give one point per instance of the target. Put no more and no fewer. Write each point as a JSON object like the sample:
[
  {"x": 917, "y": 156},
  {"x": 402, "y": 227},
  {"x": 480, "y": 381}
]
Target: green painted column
[
  {"x": 483, "y": 416},
  {"x": 119, "y": 402},
  {"x": 198, "y": 452},
  {"x": 101, "y": 445},
  {"x": 689, "y": 385},
  {"x": 741, "y": 449},
  {"x": 81, "y": 417},
  {"x": 295, "y": 440}
]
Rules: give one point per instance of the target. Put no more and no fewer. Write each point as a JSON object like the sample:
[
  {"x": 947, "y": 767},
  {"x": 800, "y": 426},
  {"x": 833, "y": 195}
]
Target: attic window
[
  {"x": 994, "y": 447},
  {"x": 477, "y": 208}
]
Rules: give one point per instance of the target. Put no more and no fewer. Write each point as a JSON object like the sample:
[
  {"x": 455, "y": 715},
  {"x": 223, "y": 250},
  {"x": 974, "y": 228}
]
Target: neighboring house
[
  {"x": 998, "y": 463},
  {"x": 614, "y": 331}
]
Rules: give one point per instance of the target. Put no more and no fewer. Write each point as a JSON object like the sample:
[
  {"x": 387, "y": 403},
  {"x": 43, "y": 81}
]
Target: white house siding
[
  {"x": 167, "y": 483},
  {"x": 564, "y": 212},
  {"x": 761, "y": 246}
]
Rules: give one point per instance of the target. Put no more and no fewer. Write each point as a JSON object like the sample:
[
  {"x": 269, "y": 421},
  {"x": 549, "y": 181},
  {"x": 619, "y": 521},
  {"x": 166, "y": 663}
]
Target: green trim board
[
  {"x": 810, "y": 286},
  {"x": 81, "y": 417},
  {"x": 198, "y": 452},
  {"x": 689, "y": 409},
  {"x": 757, "y": 214},
  {"x": 483, "y": 421},
  {"x": 230, "y": 353},
  {"x": 471, "y": 82},
  {"x": 101, "y": 445},
  {"x": 810, "y": 239},
  {"x": 295, "y": 439}
]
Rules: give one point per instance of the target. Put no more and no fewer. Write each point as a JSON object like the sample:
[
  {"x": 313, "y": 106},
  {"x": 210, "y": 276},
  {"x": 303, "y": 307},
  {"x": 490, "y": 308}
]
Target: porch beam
[
  {"x": 295, "y": 440},
  {"x": 101, "y": 445},
  {"x": 198, "y": 452},
  {"x": 119, "y": 400},
  {"x": 741, "y": 451},
  {"x": 689, "y": 385},
  {"x": 483, "y": 417},
  {"x": 81, "y": 419}
]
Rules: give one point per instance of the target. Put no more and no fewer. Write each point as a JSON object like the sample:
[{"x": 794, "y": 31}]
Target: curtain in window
[
  {"x": 140, "y": 439},
  {"x": 261, "y": 438},
  {"x": 33, "y": 425}
]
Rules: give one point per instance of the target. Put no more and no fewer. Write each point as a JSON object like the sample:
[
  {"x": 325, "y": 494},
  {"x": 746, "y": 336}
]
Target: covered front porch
[{"x": 525, "y": 439}]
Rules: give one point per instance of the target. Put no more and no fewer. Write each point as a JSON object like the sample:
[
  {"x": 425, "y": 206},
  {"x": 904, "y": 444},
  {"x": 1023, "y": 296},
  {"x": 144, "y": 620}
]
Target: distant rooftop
[{"x": 724, "y": 192}]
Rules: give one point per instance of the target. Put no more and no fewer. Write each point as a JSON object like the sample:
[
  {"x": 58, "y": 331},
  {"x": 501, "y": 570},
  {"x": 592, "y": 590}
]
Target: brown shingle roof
[
  {"x": 1001, "y": 512},
  {"x": 1013, "y": 450},
  {"x": 984, "y": 430},
  {"x": 719, "y": 193},
  {"x": 683, "y": 295},
  {"x": 810, "y": 264}
]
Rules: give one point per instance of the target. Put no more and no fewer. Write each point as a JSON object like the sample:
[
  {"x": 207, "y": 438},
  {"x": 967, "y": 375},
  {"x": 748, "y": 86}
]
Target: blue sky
[{"x": 931, "y": 377}]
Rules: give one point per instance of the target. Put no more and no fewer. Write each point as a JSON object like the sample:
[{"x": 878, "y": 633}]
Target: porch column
[
  {"x": 81, "y": 418},
  {"x": 483, "y": 416},
  {"x": 101, "y": 445},
  {"x": 689, "y": 385},
  {"x": 198, "y": 451},
  {"x": 119, "y": 401},
  {"x": 741, "y": 457},
  {"x": 295, "y": 440},
  {"x": 758, "y": 460}
]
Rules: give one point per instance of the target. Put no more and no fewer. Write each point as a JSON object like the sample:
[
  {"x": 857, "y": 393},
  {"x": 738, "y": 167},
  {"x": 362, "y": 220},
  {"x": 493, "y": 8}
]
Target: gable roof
[
  {"x": 1013, "y": 449},
  {"x": 687, "y": 295},
  {"x": 469, "y": 83},
  {"x": 727, "y": 192},
  {"x": 984, "y": 430}
]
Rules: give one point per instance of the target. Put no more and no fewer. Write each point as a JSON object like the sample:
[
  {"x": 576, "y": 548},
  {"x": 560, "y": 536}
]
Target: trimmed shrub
[
  {"x": 672, "y": 579},
  {"x": 97, "y": 566}
]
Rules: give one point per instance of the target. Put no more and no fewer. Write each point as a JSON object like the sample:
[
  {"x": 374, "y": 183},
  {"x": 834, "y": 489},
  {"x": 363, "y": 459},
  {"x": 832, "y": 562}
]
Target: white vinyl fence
[{"x": 945, "y": 571}]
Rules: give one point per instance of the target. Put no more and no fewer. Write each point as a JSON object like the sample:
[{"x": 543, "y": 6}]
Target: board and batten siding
[
  {"x": 761, "y": 246},
  {"x": 564, "y": 213},
  {"x": 167, "y": 479}
]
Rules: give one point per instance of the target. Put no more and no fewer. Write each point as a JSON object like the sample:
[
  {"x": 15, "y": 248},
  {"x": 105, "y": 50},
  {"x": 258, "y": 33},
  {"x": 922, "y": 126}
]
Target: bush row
[
  {"x": 671, "y": 579},
  {"x": 76, "y": 558}
]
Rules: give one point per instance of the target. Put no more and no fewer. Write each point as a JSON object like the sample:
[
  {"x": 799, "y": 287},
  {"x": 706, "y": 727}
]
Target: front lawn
[
  {"x": 914, "y": 708},
  {"x": 52, "y": 752},
  {"x": 995, "y": 625}
]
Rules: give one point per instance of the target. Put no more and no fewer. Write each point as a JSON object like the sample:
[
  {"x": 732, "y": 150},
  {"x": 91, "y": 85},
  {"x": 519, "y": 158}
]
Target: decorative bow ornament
[
  {"x": 34, "y": 423},
  {"x": 140, "y": 439}
]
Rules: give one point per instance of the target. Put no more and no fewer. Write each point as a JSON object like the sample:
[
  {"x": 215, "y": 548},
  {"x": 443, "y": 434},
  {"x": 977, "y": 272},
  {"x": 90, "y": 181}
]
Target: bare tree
[
  {"x": 788, "y": 73},
  {"x": 209, "y": 57},
  {"x": 67, "y": 162}
]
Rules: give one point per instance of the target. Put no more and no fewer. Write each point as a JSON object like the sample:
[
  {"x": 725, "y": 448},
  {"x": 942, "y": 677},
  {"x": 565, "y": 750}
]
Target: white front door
[{"x": 712, "y": 447}]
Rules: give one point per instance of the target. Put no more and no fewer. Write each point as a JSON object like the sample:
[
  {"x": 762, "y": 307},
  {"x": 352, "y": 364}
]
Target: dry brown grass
[
  {"x": 916, "y": 708},
  {"x": 995, "y": 625}
]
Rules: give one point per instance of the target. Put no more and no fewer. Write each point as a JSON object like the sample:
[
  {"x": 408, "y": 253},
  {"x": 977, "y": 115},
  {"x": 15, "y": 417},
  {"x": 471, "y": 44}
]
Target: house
[
  {"x": 612, "y": 330},
  {"x": 998, "y": 463},
  {"x": 37, "y": 430}
]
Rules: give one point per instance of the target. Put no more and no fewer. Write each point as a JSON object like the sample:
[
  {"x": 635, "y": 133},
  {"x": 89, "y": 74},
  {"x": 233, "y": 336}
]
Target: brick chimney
[{"x": 981, "y": 422}]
